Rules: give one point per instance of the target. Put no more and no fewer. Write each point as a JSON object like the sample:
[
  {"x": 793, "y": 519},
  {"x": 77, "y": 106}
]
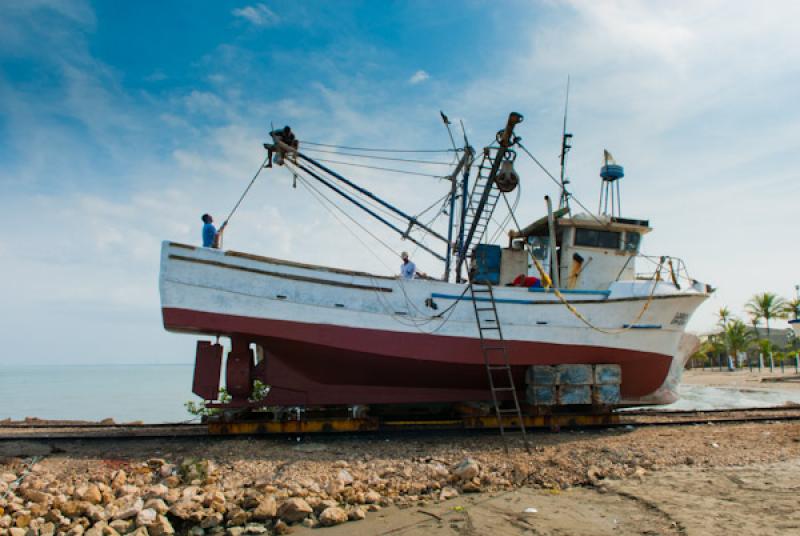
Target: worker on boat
[
  {"x": 211, "y": 236},
  {"x": 286, "y": 136},
  {"x": 408, "y": 269}
]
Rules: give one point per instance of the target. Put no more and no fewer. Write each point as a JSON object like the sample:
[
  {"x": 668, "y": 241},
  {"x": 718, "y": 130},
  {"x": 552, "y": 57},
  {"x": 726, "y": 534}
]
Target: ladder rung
[
  {"x": 488, "y": 328},
  {"x": 485, "y": 309},
  {"x": 509, "y": 410},
  {"x": 504, "y": 389}
]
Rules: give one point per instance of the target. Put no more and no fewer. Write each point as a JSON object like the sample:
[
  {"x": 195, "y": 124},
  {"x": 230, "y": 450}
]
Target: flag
[{"x": 607, "y": 158}]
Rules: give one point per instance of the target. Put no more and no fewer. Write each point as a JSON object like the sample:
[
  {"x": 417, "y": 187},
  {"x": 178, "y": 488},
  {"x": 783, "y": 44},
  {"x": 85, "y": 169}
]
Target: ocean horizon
[{"x": 123, "y": 392}]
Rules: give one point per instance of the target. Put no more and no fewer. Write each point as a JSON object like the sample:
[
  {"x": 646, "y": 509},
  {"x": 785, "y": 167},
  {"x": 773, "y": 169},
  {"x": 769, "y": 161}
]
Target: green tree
[
  {"x": 793, "y": 308},
  {"x": 724, "y": 316},
  {"x": 768, "y": 306},
  {"x": 737, "y": 337}
]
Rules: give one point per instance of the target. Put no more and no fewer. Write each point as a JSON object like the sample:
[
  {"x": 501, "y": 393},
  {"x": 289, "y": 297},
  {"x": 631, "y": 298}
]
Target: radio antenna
[{"x": 566, "y": 140}]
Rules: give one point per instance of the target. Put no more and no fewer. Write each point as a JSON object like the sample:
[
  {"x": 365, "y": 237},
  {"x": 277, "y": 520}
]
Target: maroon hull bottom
[{"x": 312, "y": 364}]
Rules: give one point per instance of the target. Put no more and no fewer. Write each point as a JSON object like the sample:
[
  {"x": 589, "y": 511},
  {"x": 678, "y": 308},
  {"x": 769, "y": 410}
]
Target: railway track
[{"x": 66, "y": 431}]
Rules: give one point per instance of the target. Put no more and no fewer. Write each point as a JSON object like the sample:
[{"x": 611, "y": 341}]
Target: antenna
[{"x": 566, "y": 138}]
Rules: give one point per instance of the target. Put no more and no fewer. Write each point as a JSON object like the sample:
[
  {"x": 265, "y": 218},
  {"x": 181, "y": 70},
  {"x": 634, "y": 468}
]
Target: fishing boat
[{"x": 568, "y": 296}]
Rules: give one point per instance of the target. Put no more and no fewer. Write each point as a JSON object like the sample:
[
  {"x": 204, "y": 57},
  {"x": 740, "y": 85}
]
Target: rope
[
  {"x": 380, "y": 157},
  {"x": 392, "y": 170},
  {"x": 372, "y": 149},
  {"x": 239, "y": 202}
]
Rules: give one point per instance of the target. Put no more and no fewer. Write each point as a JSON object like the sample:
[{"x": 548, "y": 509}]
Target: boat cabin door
[{"x": 540, "y": 249}]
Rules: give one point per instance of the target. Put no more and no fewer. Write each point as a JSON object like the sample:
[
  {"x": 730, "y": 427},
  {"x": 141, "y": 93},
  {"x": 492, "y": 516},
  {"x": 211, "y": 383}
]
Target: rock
[
  {"x": 119, "y": 478},
  {"x": 155, "y": 463},
  {"x": 293, "y": 510},
  {"x": 473, "y": 486},
  {"x": 182, "y": 509},
  {"x": 310, "y": 523},
  {"x": 141, "y": 531},
  {"x": 332, "y": 515},
  {"x": 236, "y": 517},
  {"x": 166, "y": 470},
  {"x": 235, "y": 531},
  {"x": 158, "y": 490},
  {"x": 212, "y": 520},
  {"x": 447, "y": 493},
  {"x": 122, "y": 526},
  {"x": 323, "y": 504},
  {"x": 92, "y": 495},
  {"x": 281, "y": 527},
  {"x": 467, "y": 469},
  {"x": 373, "y": 507},
  {"x": 158, "y": 505},
  {"x": 22, "y": 520},
  {"x": 344, "y": 477},
  {"x": 162, "y": 527},
  {"x": 146, "y": 517},
  {"x": 255, "y": 528},
  {"x": 127, "y": 507},
  {"x": 76, "y": 530},
  {"x": 17, "y": 531},
  {"x": 172, "y": 481},
  {"x": 372, "y": 497},
  {"x": 5, "y": 521},
  {"x": 267, "y": 508},
  {"x": 36, "y": 496},
  {"x": 196, "y": 531},
  {"x": 8, "y": 477},
  {"x": 356, "y": 514},
  {"x": 47, "y": 529}
]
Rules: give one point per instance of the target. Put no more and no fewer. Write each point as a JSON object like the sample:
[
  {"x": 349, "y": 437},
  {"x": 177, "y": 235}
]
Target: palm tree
[
  {"x": 793, "y": 308},
  {"x": 737, "y": 337},
  {"x": 768, "y": 306},
  {"x": 724, "y": 316}
]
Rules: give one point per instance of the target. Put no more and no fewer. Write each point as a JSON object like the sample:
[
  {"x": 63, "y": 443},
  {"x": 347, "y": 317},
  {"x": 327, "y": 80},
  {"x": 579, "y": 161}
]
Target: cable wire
[
  {"x": 415, "y": 161},
  {"x": 392, "y": 170},
  {"x": 375, "y": 150}
]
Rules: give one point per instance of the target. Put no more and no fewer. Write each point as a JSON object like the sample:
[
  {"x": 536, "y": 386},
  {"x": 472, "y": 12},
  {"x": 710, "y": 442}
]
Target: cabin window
[
  {"x": 595, "y": 238},
  {"x": 632, "y": 240}
]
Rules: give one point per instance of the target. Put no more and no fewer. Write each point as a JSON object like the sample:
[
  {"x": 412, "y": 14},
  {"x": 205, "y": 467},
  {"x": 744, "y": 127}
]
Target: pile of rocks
[{"x": 157, "y": 498}]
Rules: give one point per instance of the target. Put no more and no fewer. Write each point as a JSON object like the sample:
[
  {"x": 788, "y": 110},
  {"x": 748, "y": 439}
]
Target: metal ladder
[
  {"x": 495, "y": 356},
  {"x": 481, "y": 184}
]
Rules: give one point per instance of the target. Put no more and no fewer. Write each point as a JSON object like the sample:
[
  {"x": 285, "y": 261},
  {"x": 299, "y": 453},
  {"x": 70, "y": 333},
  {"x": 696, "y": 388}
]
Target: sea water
[
  {"x": 150, "y": 393},
  {"x": 157, "y": 393}
]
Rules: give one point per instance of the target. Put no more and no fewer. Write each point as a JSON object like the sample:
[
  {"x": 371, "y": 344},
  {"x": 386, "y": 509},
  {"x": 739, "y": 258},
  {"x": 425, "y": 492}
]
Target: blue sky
[{"x": 121, "y": 122}]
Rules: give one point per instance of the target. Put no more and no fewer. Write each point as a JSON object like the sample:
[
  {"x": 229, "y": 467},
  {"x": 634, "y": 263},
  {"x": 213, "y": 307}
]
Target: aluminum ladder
[
  {"x": 482, "y": 215},
  {"x": 495, "y": 356}
]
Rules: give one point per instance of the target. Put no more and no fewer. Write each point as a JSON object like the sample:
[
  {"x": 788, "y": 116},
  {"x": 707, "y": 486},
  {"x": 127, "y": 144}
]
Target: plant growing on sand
[
  {"x": 768, "y": 306},
  {"x": 737, "y": 337}
]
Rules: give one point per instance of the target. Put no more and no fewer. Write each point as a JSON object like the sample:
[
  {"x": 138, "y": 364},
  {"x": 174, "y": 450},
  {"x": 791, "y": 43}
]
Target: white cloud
[
  {"x": 419, "y": 76},
  {"x": 259, "y": 15}
]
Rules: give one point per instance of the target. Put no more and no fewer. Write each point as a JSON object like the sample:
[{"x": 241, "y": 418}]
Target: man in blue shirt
[
  {"x": 408, "y": 269},
  {"x": 210, "y": 234}
]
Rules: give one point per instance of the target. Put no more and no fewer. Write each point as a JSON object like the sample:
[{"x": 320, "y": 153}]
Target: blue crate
[
  {"x": 574, "y": 394},
  {"x": 541, "y": 375},
  {"x": 607, "y": 374},
  {"x": 575, "y": 374},
  {"x": 487, "y": 263},
  {"x": 605, "y": 395},
  {"x": 541, "y": 395}
]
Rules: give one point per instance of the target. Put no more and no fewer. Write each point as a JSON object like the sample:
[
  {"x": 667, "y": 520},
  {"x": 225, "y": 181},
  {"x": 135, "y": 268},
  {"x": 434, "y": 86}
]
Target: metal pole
[
  {"x": 463, "y": 216},
  {"x": 453, "y": 190},
  {"x": 551, "y": 224}
]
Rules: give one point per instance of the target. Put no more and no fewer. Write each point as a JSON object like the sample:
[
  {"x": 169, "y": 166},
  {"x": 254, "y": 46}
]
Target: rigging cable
[
  {"x": 555, "y": 180},
  {"x": 412, "y": 160},
  {"x": 392, "y": 170},
  {"x": 321, "y": 198},
  {"x": 239, "y": 202},
  {"x": 375, "y": 150}
]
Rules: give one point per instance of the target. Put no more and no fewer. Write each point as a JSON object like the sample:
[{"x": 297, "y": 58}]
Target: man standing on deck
[
  {"x": 210, "y": 234},
  {"x": 408, "y": 269}
]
